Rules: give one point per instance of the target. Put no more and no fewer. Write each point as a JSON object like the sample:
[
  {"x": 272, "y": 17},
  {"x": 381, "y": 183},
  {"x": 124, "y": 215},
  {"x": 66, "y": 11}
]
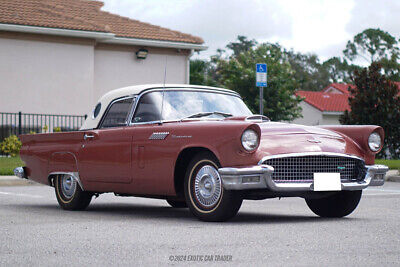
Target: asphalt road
[{"x": 121, "y": 231}]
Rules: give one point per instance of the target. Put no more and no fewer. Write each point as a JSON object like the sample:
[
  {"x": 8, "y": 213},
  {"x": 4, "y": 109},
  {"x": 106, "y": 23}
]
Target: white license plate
[{"x": 327, "y": 182}]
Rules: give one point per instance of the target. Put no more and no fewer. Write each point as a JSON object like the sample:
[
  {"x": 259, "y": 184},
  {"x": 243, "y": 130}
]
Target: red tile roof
[
  {"x": 326, "y": 101},
  {"x": 342, "y": 87},
  {"x": 331, "y": 101},
  {"x": 84, "y": 15}
]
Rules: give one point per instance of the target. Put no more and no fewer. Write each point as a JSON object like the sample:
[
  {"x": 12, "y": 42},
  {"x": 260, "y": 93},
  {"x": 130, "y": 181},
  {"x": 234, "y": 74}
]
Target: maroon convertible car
[{"x": 201, "y": 148}]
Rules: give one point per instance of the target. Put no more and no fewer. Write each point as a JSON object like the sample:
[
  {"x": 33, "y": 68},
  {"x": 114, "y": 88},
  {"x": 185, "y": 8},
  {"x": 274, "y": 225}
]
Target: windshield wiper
[{"x": 205, "y": 114}]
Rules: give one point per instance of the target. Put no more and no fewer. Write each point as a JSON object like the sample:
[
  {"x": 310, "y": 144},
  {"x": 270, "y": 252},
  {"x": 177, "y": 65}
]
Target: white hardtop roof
[
  {"x": 106, "y": 99},
  {"x": 137, "y": 89}
]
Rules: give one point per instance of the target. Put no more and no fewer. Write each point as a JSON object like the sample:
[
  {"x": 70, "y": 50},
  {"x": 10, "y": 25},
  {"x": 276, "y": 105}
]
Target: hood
[
  {"x": 279, "y": 128},
  {"x": 283, "y": 138}
]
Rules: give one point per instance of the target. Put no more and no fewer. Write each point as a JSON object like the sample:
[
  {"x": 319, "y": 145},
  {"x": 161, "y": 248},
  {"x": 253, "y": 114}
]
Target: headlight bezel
[
  {"x": 244, "y": 139},
  {"x": 373, "y": 145}
]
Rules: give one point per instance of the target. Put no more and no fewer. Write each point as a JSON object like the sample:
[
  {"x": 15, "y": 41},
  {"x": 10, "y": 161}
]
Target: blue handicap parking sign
[{"x": 261, "y": 75}]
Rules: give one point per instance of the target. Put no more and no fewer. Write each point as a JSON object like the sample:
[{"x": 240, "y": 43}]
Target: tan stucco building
[{"x": 59, "y": 57}]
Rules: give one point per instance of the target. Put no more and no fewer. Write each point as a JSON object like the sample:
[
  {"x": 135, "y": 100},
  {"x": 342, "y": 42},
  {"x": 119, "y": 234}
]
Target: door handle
[{"x": 88, "y": 136}]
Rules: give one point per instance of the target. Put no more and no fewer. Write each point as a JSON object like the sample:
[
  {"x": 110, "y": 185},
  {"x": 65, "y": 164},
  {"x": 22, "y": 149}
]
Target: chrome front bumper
[{"x": 260, "y": 177}]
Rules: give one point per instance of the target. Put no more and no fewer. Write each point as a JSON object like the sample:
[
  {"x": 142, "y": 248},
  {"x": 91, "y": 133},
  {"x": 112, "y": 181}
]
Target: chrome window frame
[
  {"x": 191, "y": 89},
  {"x": 99, "y": 126}
]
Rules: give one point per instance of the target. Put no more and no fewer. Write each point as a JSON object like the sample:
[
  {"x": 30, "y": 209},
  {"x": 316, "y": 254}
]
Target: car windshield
[{"x": 182, "y": 104}]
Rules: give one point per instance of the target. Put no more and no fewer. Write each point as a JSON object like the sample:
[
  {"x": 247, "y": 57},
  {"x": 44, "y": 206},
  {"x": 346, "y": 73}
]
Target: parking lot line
[{"x": 19, "y": 195}]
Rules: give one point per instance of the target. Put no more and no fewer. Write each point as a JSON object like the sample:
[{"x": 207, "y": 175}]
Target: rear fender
[{"x": 61, "y": 162}]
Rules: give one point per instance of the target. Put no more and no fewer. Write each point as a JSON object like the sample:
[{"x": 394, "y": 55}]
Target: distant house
[
  {"x": 325, "y": 107},
  {"x": 60, "y": 56}
]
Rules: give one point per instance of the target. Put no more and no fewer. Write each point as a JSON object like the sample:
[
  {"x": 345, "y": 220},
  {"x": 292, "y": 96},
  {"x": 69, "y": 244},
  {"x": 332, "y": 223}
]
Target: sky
[{"x": 322, "y": 27}]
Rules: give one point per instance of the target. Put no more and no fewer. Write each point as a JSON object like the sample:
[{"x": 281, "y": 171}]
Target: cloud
[
  {"x": 309, "y": 26},
  {"x": 217, "y": 22},
  {"x": 383, "y": 14}
]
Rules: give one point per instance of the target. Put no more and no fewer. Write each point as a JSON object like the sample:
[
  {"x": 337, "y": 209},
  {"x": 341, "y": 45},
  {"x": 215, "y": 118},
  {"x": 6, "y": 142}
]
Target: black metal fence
[{"x": 23, "y": 123}]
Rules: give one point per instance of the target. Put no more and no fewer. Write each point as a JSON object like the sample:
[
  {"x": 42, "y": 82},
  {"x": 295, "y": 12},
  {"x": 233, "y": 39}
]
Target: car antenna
[{"x": 163, "y": 90}]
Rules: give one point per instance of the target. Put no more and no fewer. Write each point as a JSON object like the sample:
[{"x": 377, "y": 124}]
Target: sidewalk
[
  {"x": 393, "y": 176},
  {"x": 15, "y": 181}
]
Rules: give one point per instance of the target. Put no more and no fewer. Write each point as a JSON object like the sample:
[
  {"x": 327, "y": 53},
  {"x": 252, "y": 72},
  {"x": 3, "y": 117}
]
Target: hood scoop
[{"x": 278, "y": 128}]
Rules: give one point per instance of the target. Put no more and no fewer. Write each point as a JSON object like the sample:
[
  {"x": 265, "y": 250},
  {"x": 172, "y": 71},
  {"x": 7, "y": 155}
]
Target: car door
[
  {"x": 153, "y": 150},
  {"x": 106, "y": 153}
]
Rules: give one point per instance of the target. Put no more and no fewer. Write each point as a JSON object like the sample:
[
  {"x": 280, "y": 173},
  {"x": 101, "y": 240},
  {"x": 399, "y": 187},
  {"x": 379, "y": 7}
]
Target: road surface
[{"x": 121, "y": 231}]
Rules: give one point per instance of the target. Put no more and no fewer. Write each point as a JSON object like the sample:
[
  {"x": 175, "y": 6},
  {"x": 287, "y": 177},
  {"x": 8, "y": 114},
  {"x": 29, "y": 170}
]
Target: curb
[
  {"x": 15, "y": 181},
  {"x": 395, "y": 179},
  {"x": 393, "y": 176}
]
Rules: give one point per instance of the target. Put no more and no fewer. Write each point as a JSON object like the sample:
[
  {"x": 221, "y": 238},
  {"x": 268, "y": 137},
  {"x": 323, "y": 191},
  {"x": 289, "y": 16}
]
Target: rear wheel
[
  {"x": 335, "y": 206},
  {"x": 204, "y": 192},
  {"x": 177, "y": 204},
  {"x": 69, "y": 194}
]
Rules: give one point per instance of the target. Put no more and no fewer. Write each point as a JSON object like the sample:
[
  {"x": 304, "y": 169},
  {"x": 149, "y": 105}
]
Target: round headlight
[
  {"x": 250, "y": 140},
  {"x": 374, "y": 142}
]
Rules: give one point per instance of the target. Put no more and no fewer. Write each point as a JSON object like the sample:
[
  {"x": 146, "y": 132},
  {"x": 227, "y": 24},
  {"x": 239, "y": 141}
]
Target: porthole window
[{"x": 96, "y": 110}]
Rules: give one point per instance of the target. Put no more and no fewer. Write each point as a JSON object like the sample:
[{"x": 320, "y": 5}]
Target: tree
[
  {"x": 308, "y": 71},
  {"x": 372, "y": 45},
  {"x": 201, "y": 73},
  {"x": 391, "y": 68},
  {"x": 237, "y": 72},
  {"x": 338, "y": 70},
  {"x": 243, "y": 45},
  {"x": 375, "y": 100}
]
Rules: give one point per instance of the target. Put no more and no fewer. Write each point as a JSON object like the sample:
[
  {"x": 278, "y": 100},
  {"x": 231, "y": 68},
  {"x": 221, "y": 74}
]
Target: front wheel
[
  {"x": 335, "y": 206},
  {"x": 69, "y": 194},
  {"x": 204, "y": 192}
]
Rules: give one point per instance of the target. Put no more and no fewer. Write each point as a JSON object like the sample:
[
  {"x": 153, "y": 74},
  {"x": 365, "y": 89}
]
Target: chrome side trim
[
  {"x": 327, "y": 154},
  {"x": 158, "y": 135},
  {"x": 73, "y": 174}
]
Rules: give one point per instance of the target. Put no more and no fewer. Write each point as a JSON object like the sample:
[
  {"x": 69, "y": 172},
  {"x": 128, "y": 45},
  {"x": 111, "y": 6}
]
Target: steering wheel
[{"x": 145, "y": 117}]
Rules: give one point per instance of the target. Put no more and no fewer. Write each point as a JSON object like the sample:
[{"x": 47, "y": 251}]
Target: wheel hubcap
[
  {"x": 207, "y": 186},
  {"x": 68, "y": 185}
]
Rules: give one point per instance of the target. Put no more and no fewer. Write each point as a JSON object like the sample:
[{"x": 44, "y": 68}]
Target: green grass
[
  {"x": 7, "y": 165},
  {"x": 393, "y": 164}
]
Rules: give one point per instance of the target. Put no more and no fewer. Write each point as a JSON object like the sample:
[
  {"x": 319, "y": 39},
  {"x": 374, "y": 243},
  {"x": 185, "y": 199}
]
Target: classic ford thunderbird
[{"x": 202, "y": 148}]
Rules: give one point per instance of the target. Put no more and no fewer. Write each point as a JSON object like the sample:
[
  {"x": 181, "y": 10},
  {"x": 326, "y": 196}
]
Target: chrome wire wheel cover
[
  {"x": 208, "y": 186},
  {"x": 68, "y": 186}
]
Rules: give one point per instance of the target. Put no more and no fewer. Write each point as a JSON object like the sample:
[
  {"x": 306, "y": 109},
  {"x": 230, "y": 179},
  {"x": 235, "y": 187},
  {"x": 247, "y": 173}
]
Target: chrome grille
[{"x": 302, "y": 168}]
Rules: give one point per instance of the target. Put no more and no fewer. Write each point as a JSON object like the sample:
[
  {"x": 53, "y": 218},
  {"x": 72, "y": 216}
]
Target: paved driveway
[{"x": 120, "y": 231}]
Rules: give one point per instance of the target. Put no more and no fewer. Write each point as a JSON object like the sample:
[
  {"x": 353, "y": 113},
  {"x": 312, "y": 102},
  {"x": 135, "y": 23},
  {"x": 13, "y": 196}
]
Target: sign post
[{"x": 261, "y": 81}]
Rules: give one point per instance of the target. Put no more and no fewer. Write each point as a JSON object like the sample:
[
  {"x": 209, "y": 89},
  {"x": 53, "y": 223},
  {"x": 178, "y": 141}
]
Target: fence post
[{"x": 19, "y": 123}]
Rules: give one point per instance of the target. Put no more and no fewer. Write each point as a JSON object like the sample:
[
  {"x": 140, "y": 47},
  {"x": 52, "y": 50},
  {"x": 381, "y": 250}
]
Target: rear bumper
[
  {"x": 20, "y": 172},
  {"x": 260, "y": 177}
]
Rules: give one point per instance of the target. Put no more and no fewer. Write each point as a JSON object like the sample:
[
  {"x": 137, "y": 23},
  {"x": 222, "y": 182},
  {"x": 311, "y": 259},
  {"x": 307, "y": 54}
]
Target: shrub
[
  {"x": 11, "y": 145},
  {"x": 57, "y": 129}
]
